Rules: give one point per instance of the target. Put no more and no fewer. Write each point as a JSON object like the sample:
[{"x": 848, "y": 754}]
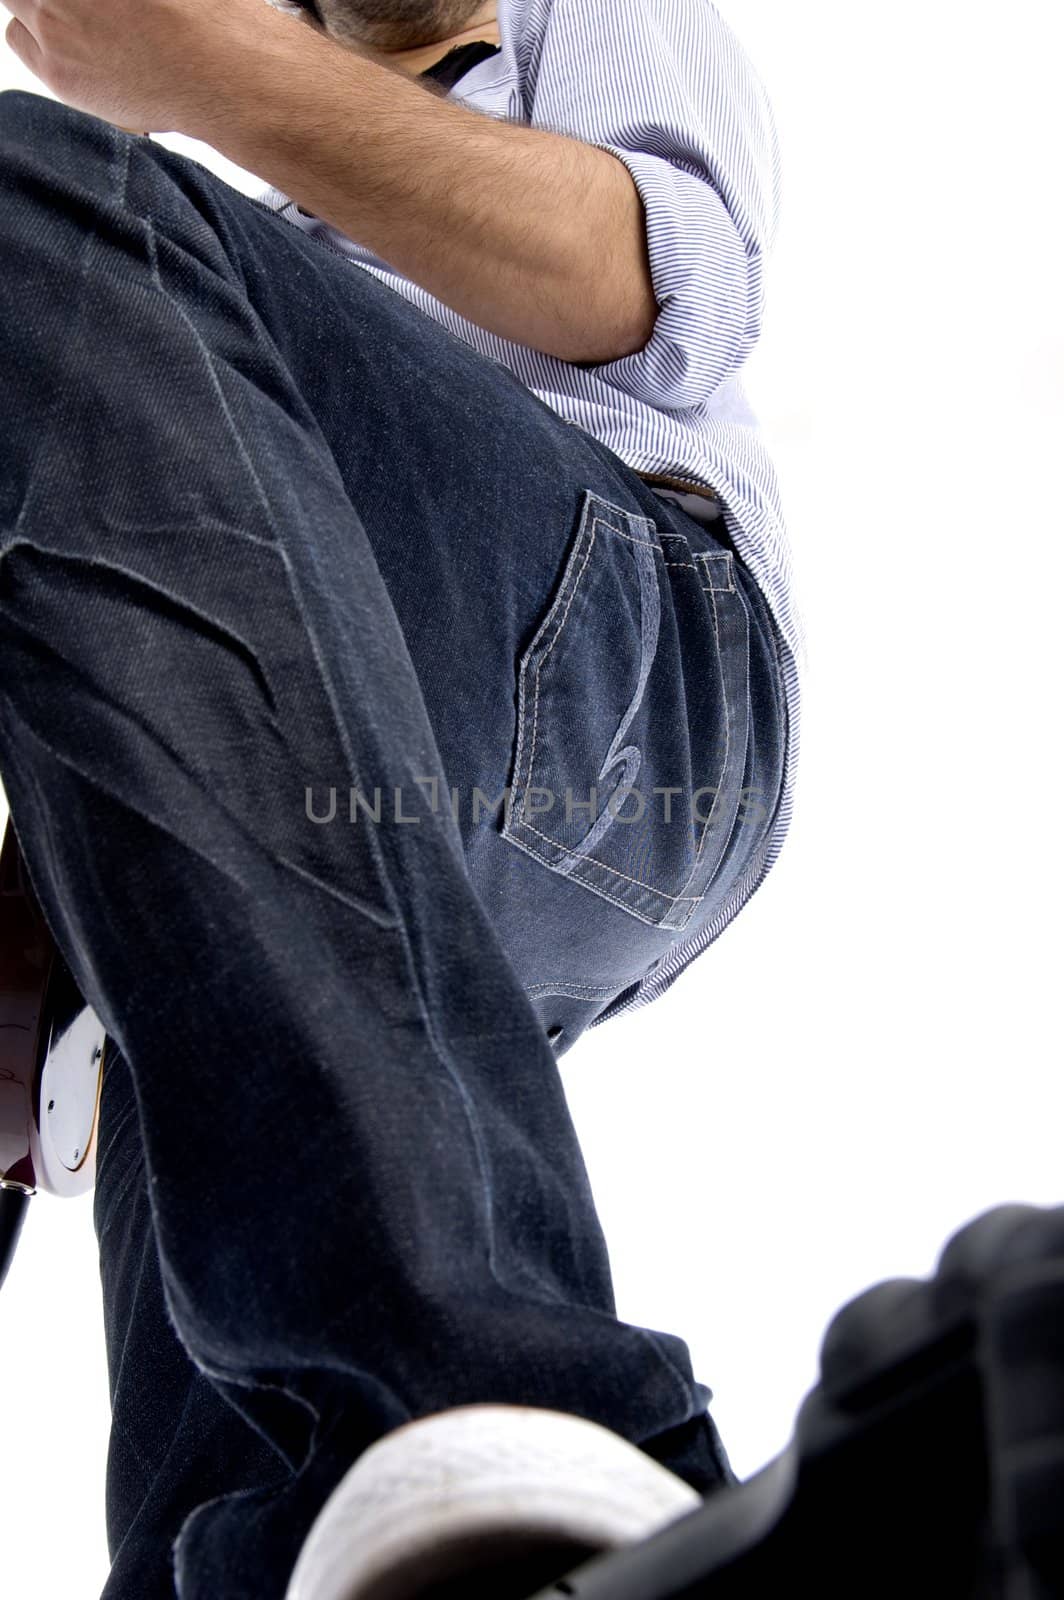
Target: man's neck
[{"x": 423, "y": 57}]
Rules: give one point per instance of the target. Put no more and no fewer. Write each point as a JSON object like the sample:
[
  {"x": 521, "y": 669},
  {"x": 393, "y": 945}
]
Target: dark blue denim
[{"x": 270, "y": 535}]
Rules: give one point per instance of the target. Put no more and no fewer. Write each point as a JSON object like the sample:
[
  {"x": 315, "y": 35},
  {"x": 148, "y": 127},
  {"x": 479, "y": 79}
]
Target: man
[{"x": 398, "y": 676}]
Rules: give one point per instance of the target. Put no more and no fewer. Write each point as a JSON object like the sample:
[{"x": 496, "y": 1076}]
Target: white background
[{"x": 870, "y": 1056}]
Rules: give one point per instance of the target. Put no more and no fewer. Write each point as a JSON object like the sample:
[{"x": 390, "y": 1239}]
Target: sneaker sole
[{"x": 519, "y": 1493}]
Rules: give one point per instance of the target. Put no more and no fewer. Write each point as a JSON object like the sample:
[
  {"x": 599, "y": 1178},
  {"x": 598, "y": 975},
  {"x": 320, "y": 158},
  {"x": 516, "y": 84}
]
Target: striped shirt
[{"x": 667, "y": 88}]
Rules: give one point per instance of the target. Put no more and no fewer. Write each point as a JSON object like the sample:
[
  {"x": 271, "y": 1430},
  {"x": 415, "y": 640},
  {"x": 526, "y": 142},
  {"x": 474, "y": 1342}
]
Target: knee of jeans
[
  {"x": 60, "y": 163},
  {"x": 80, "y": 168},
  {"x": 41, "y": 118}
]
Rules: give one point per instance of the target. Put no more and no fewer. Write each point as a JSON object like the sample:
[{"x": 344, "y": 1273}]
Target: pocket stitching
[
  {"x": 623, "y": 905},
  {"x": 729, "y": 567},
  {"x": 539, "y": 666},
  {"x": 648, "y": 887},
  {"x": 726, "y": 766},
  {"x": 672, "y": 901},
  {"x": 580, "y": 991}
]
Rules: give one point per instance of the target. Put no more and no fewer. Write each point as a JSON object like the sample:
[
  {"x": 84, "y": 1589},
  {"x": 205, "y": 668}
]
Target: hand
[{"x": 147, "y": 65}]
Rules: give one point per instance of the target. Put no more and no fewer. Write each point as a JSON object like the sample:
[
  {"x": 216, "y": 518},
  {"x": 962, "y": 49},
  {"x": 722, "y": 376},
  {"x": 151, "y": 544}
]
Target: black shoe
[{"x": 927, "y": 1462}]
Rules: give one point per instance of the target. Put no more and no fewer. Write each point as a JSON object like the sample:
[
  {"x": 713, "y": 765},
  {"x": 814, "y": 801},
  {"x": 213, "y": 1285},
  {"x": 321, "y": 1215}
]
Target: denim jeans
[{"x": 273, "y": 541}]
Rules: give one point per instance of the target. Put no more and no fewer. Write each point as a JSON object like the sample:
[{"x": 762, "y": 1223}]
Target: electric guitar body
[{"x": 52, "y": 1047}]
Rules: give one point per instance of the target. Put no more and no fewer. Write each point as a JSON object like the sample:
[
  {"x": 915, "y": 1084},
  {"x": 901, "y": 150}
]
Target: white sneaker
[{"x": 517, "y": 1492}]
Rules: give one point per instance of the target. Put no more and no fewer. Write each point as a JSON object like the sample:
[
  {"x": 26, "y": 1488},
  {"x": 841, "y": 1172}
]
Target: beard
[{"x": 395, "y": 24}]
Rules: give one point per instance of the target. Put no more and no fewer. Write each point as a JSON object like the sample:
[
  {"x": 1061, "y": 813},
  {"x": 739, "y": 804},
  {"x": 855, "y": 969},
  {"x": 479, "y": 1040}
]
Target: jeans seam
[
  {"x": 726, "y": 764},
  {"x": 592, "y": 991},
  {"x": 546, "y": 653},
  {"x": 662, "y": 894}
]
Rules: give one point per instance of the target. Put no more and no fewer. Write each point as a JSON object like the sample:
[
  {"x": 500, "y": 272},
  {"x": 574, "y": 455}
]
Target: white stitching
[
  {"x": 661, "y": 893},
  {"x": 590, "y": 991},
  {"x": 624, "y": 905},
  {"x": 725, "y": 556},
  {"x": 727, "y": 748},
  {"x": 546, "y": 653}
]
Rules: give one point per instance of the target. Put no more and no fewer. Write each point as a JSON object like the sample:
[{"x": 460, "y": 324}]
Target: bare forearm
[{"x": 534, "y": 236}]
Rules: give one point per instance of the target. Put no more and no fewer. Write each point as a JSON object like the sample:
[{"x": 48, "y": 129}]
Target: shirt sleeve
[{"x": 667, "y": 88}]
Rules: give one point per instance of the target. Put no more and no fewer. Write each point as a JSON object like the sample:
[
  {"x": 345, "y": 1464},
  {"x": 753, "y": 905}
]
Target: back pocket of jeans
[{"x": 632, "y": 717}]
